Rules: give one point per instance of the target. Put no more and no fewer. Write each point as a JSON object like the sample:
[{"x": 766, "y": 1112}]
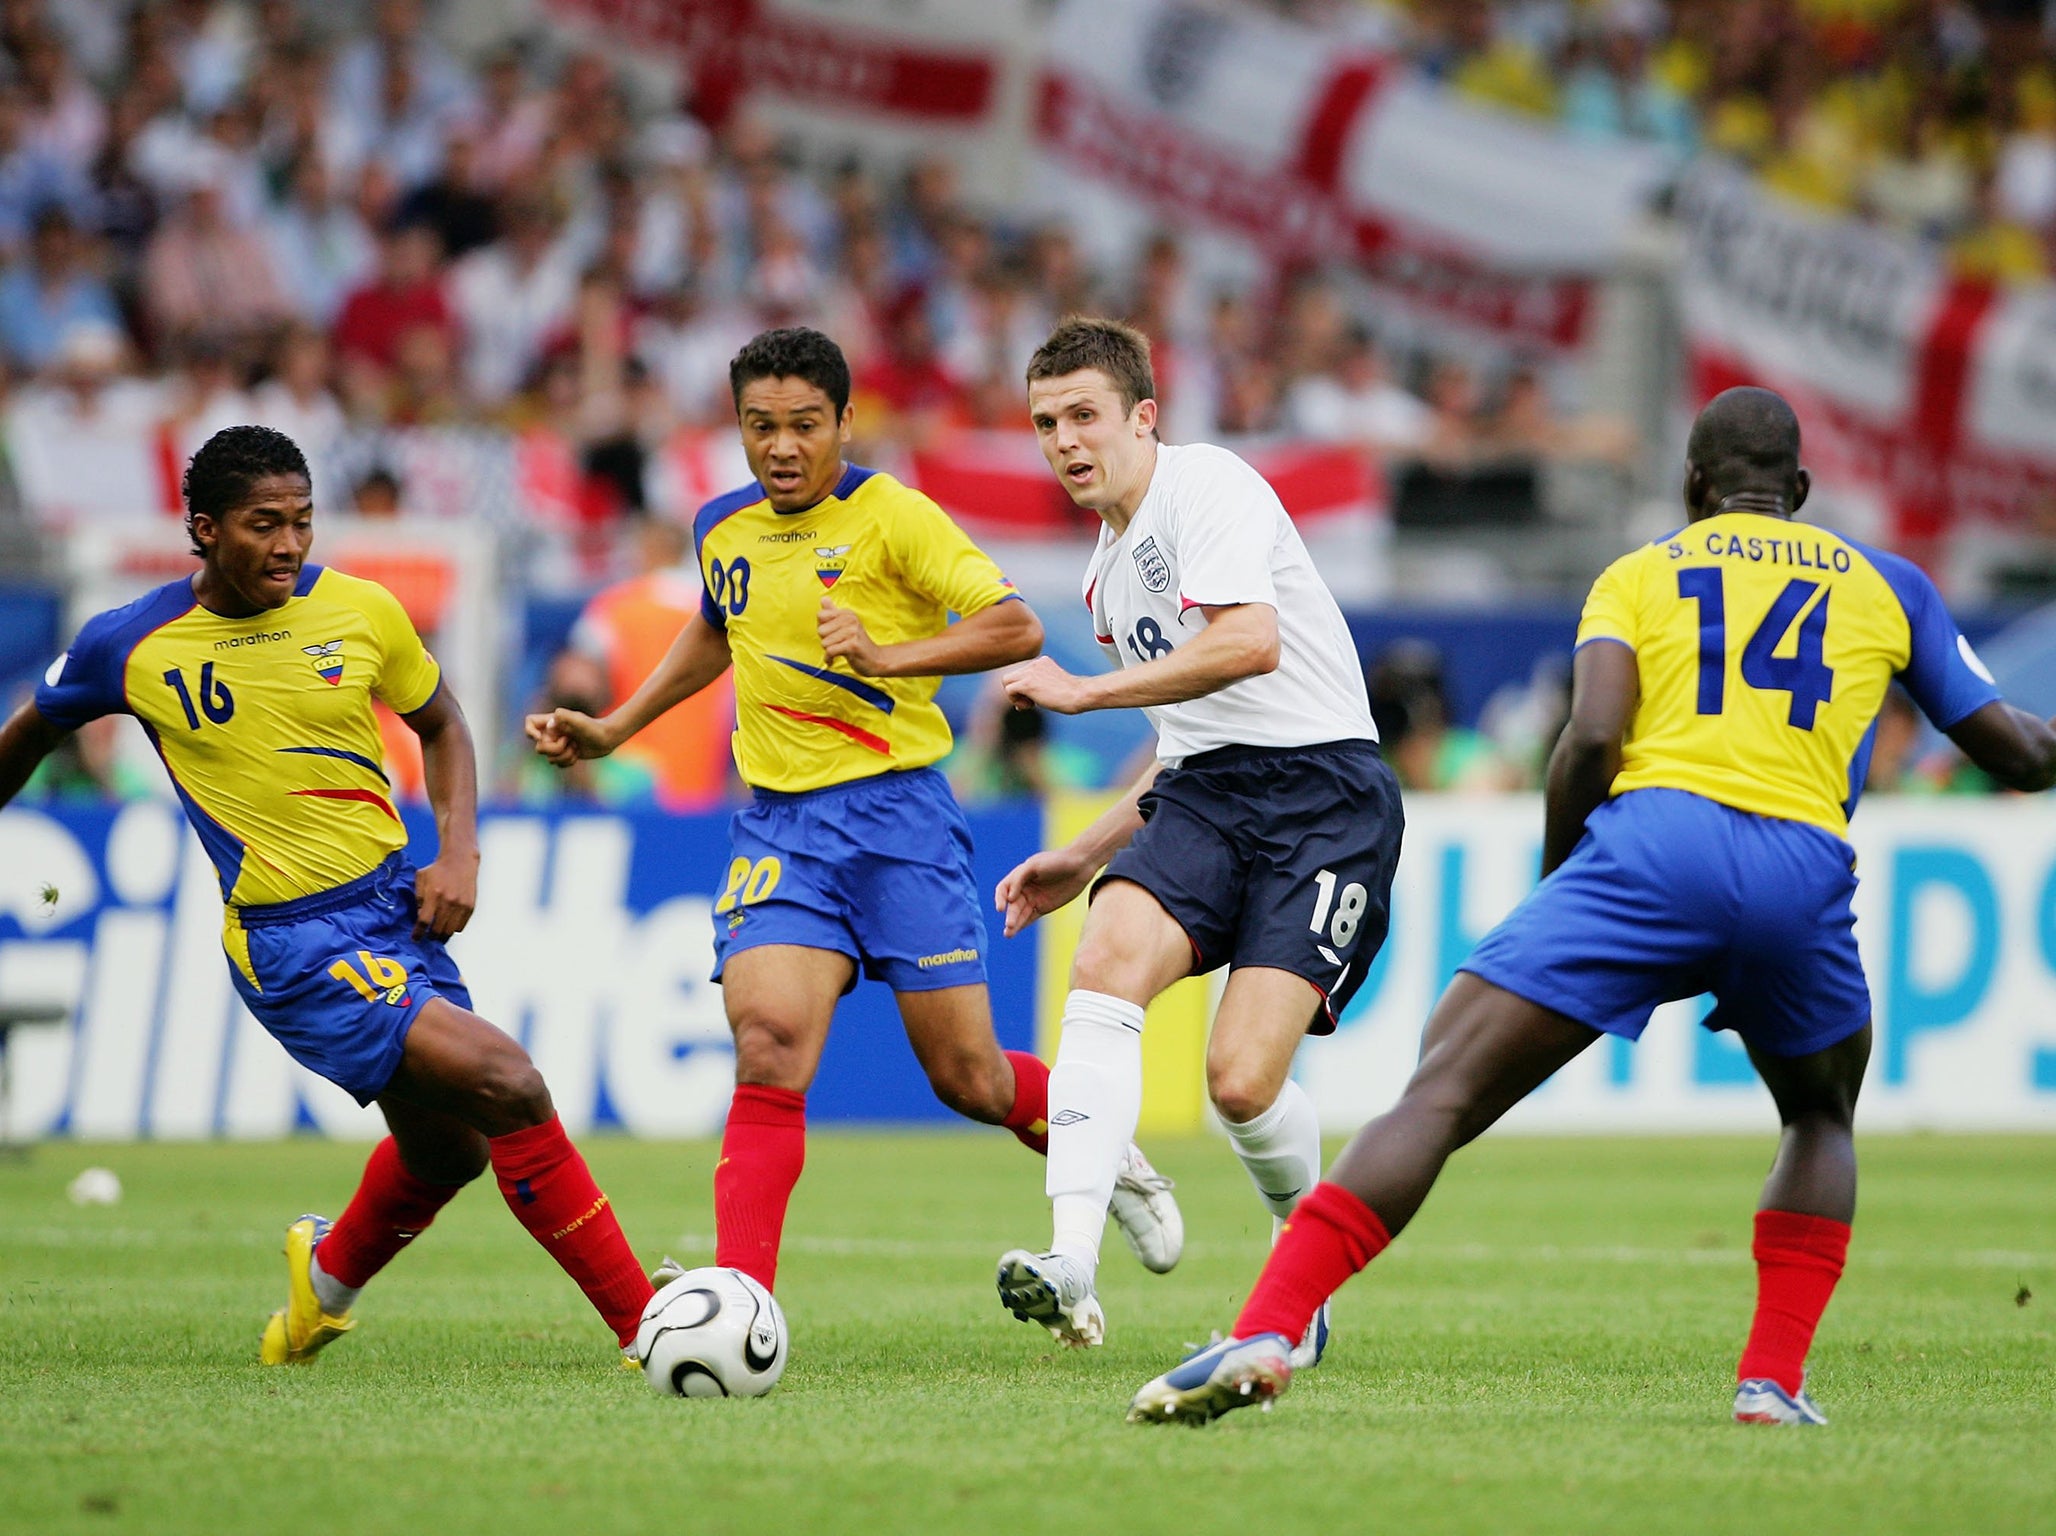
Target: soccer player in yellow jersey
[
  {"x": 829, "y": 590},
  {"x": 1724, "y": 694},
  {"x": 254, "y": 679}
]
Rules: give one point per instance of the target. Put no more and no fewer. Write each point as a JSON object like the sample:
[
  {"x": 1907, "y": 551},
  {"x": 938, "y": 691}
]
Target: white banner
[
  {"x": 1306, "y": 146},
  {"x": 1934, "y": 393},
  {"x": 1955, "y": 914}
]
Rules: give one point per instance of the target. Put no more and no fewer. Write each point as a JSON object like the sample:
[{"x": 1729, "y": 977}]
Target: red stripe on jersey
[
  {"x": 369, "y": 797},
  {"x": 861, "y": 737}
]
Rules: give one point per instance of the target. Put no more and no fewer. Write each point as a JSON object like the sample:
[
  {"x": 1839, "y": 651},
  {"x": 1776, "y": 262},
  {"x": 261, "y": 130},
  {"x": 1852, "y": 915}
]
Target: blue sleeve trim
[
  {"x": 704, "y": 522},
  {"x": 93, "y": 682},
  {"x": 721, "y": 508},
  {"x": 1936, "y": 673},
  {"x": 1603, "y": 640}
]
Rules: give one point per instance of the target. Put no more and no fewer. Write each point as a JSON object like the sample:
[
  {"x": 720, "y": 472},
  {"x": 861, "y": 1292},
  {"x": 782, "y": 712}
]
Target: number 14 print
[{"x": 1805, "y": 675}]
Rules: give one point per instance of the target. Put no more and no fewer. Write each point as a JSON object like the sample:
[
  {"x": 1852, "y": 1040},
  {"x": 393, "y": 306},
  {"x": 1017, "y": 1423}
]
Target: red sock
[
  {"x": 1798, "y": 1260},
  {"x": 390, "y": 1209},
  {"x": 762, "y": 1153},
  {"x": 551, "y": 1192},
  {"x": 1029, "y": 1118},
  {"x": 1329, "y": 1237}
]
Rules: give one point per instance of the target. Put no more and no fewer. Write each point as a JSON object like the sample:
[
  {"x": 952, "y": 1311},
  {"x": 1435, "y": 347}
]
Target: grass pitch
[{"x": 1550, "y": 1348}]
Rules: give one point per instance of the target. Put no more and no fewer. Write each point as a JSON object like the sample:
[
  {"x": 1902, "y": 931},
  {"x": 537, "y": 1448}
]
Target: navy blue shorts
[
  {"x": 1669, "y": 895},
  {"x": 338, "y": 978},
  {"x": 1275, "y": 856},
  {"x": 878, "y": 869}
]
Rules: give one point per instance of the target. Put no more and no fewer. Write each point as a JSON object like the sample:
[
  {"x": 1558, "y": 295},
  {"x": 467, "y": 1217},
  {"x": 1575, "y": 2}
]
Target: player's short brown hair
[{"x": 1119, "y": 351}]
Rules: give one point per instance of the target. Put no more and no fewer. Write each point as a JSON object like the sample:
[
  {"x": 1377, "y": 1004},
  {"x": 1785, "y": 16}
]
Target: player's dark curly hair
[
  {"x": 793, "y": 352},
  {"x": 219, "y": 478},
  {"x": 1082, "y": 341}
]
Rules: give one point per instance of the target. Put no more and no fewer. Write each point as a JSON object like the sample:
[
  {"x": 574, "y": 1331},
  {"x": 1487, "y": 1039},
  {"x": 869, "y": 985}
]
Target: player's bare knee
[
  {"x": 1103, "y": 963},
  {"x": 511, "y": 1092},
  {"x": 769, "y": 1048},
  {"x": 972, "y": 1086},
  {"x": 1239, "y": 1095}
]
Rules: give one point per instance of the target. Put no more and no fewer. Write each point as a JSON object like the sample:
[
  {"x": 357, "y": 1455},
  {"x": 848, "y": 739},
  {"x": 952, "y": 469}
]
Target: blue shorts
[
  {"x": 1275, "y": 856},
  {"x": 338, "y": 978},
  {"x": 878, "y": 869},
  {"x": 1669, "y": 895}
]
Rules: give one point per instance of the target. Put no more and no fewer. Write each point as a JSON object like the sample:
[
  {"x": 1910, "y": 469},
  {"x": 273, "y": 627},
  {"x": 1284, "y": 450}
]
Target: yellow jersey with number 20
[{"x": 889, "y": 555}]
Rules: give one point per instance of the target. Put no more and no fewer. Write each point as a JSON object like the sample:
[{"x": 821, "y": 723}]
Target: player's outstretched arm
[
  {"x": 1605, "y": 686},
  {"x": 1240, "y": 640},
  {"x": 997, "y": 636},
  {"x": 446, "y": 892},
  {"x": 2015, "y": 747},
  {"x": 1049, "y": 880},
  {"x": 698, "y": 656},
  {"x": 25, "y": 740}
]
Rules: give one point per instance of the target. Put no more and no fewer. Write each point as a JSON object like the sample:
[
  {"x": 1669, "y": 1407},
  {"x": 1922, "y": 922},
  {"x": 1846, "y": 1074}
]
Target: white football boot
[
  {"x": 1215, "y": 1379},
  {"x": 1146, "y": 1213},
  {"x": 1760, "y": 1400},
  {"x": 1049, "y": 1289}
]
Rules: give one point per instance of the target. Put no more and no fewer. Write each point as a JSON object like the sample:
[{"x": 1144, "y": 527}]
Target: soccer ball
[{"x": 712, "y": 1333}]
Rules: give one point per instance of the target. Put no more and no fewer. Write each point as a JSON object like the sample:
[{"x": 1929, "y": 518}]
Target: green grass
[{"x": 1550, "y": 1348}]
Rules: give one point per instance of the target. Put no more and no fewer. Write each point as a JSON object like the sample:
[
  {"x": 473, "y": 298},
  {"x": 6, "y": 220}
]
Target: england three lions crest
[
  {"x": 1155, "y": 569},
  {"x": 328, "y": 660}
]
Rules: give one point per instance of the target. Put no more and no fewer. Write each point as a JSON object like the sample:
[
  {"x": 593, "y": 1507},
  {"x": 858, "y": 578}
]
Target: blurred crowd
[
  {"x": 1935, "y": 118},
  {"x": 235, "y": 210},
  {"x": 321, "y": 217}
]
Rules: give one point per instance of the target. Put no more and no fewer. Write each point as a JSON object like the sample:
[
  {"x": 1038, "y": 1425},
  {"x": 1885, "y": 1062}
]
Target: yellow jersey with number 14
[
  {"x": 264, "y": 723},
  {"x": 1764, "y": 650},
  {"x": 889, "y": 555}
]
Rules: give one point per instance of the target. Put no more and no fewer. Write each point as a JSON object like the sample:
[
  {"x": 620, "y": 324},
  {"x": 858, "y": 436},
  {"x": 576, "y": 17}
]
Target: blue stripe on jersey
[
  {"x": 338, "y": 752},
  {"x": 1859, "y": 767},
  {"x": 223, "y": 847},
  {"x": 309, "y": 574},
  {"x": 877, "y": 698}
]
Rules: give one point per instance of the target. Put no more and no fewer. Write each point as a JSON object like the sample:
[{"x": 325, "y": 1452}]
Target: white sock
[
  {"x": 335, "y": 1297},
  {"x": 1095, "y": 1098},
  {"x": 1281, "y": 1148}
]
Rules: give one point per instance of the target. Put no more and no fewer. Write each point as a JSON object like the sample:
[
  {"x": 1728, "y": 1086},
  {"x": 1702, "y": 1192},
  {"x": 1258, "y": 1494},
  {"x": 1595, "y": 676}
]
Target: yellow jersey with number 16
[
  {"x": 264, "y": 723},
  {"x": 1764, "y": 650}
]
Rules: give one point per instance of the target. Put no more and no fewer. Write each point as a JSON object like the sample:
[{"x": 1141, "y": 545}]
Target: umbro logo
[{"x": 1069, "y": 1117}]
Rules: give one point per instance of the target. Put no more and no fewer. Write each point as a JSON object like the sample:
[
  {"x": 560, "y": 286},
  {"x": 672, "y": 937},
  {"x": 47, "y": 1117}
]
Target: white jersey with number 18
[{"x": 1210, "y": 533}]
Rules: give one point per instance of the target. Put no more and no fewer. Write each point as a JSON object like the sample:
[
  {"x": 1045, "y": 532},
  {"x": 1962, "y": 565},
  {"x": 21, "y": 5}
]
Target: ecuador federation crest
[
  {"x": 830, "y": 561},
  {"x": 328, "y": 660}
]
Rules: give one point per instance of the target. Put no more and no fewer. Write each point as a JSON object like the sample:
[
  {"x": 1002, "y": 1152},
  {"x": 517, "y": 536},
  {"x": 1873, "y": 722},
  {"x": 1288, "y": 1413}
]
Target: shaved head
[{"x": 1744, "y": 443}]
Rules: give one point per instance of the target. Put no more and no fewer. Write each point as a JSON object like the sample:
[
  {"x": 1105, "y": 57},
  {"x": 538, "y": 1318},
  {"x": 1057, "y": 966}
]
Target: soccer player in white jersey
[{"x": 1263, "y": 839}]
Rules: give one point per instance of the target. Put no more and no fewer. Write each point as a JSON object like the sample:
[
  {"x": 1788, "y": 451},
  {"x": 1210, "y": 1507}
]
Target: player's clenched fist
[
  {"x": 1039, "y": 885},
  {"x": 564, "y": 736},
  {"x": 843, "y": 634},
  {"x": 1043, "y": 682}
]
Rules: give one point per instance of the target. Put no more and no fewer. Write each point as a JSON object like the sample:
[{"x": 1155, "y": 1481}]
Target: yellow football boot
[{"x": 297, "y": 1332}]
